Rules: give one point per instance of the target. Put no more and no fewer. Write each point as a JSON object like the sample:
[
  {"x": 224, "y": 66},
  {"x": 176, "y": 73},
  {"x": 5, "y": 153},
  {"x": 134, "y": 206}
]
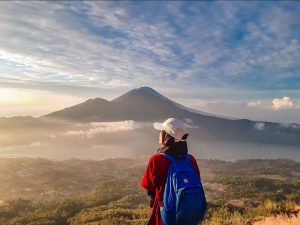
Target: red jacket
[{"x": 154, "y": 181}]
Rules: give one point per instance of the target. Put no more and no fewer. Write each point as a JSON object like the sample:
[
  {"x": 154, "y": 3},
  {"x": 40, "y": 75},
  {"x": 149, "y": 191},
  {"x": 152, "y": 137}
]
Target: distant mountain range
[{"x": 147, "y": 105}]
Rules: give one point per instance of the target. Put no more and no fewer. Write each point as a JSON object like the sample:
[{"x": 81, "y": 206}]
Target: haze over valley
[{"x": 123, "y": 127}]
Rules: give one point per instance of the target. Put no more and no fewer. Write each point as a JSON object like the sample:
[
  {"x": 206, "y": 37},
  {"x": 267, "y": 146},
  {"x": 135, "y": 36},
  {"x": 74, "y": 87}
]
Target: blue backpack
[{"x": 184, "y": 201}]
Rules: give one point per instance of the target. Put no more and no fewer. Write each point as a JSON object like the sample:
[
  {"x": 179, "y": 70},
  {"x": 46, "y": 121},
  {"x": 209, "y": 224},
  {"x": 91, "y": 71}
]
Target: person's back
[
  {"x": 184, "y": 200},
  {"x": 155, "y": 177}
]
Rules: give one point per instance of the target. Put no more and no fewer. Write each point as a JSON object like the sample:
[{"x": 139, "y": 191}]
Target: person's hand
[{"x": 151, "y": 194}]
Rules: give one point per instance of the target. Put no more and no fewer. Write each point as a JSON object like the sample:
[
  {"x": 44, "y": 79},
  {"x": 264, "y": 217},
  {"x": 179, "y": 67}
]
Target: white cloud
[
  {"x": 290, "y": 125},
  {"x": 93, "y": 129},
  {"x": 258, "y": 110},
  {"x": 190, "y": 123},
  {"x": 254, "y": 103},
  {"x": 260, "y": 126},
  {"x": 72, "y": 51},
  {"x": 284, "y": 103}
]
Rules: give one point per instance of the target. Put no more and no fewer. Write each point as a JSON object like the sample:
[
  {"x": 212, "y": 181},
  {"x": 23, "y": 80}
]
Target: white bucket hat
[{"x": 174, "y": 127}]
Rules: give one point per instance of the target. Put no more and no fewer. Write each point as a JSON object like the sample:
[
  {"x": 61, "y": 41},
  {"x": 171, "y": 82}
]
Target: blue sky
[{"x": 233, "y": 58}]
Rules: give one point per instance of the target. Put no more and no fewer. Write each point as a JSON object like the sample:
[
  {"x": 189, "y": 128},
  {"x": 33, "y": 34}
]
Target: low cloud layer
[
  {"x": 93, "y": 129},
  {"x": 61, "y": 139},
  {"x": 30, "y": 137},
  {"x": 26, "y": 131}
]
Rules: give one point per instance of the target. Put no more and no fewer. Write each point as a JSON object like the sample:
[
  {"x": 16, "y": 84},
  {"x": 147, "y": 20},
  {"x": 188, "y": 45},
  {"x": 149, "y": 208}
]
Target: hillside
[{"x": 44, "y": 192}]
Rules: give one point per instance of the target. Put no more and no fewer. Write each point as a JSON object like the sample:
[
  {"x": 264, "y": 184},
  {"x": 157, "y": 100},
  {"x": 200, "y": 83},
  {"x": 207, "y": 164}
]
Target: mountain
[
  {"x": 141, "y": 104},
  {"x": 147, "y": 105}
]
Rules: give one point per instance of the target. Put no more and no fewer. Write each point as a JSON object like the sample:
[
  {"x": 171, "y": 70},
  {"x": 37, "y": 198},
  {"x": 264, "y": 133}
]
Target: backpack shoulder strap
[{"x": 168, "y": 157}]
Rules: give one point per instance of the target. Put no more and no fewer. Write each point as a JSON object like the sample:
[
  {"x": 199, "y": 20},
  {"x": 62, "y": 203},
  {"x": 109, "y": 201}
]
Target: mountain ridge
[
  {"x": 147, "y": 105},
  {"x": 132, "y": 95}
]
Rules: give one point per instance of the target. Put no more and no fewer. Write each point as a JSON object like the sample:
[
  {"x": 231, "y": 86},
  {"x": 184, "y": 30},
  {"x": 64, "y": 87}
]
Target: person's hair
[
  {"x": 171, "y": 146},
  {"x": 184, "y": 137}
]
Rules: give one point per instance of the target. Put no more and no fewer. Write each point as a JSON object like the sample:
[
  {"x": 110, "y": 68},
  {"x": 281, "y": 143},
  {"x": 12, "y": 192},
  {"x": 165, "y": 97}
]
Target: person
[{"x": 172, "y": 137}]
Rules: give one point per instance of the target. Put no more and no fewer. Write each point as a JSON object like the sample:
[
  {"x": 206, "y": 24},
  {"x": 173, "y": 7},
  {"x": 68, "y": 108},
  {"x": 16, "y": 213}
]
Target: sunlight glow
[
  {"x": 30, "y": 102},
  {"x": 11, "y": 96}
]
